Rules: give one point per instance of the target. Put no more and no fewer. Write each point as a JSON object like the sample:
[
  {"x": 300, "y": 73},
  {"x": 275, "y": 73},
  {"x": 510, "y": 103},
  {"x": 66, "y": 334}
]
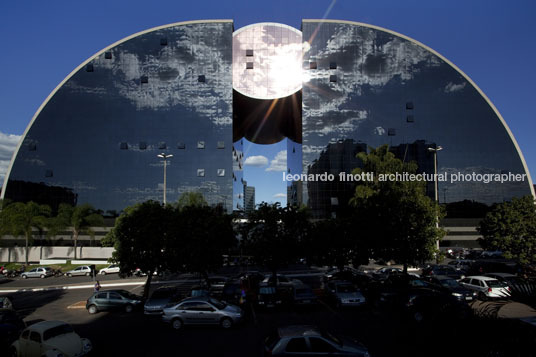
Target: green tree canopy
[
  {"x": 19, "y": 219},
  {"x": 400, "y": 219},
  {"x": 511, "y": 228}
]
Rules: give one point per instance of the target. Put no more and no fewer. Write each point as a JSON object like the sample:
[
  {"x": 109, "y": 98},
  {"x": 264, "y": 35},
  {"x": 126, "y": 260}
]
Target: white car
[
  {"x": 486, "y": 287},
  {"x": 51, "y": 339},
  {"x": 112, "y": 269},
  {"x": 82, "y": 270}
]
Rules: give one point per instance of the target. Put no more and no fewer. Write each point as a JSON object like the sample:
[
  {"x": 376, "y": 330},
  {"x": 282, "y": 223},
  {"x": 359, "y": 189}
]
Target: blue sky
[{"x": 491, "y": 41}]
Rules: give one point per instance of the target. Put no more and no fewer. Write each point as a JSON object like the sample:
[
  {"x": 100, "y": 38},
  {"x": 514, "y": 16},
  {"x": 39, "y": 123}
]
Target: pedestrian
[{"x": 97, "y": 286}]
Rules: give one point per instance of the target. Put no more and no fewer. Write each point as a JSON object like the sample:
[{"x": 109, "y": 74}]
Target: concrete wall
[{"x": 18, "y": 255}]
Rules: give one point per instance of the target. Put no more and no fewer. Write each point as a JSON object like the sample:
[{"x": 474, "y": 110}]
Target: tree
[
  {"x": 511, "y": 228},
  {"x": 19, "y": 219},
  {"x": 80, "y": 218},
  {"x": 273, "y": 235},
  {"x": 191, "y": 199},
  {"x": 139, "y": 237},
  {"x": 396, "y": 212}
]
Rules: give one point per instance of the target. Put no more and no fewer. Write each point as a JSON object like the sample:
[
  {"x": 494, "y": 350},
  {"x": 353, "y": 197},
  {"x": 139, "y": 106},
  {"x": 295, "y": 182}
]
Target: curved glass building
[{"x": 196, "y": 89}]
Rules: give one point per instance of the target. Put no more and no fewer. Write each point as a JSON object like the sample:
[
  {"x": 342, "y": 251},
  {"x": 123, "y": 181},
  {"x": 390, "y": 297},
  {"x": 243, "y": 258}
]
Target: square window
[
  {"x": 409, "y": 105},
  {"x": 312, "y": 65},
  {"x": 200, "y": 144},
  {"x": 143, "y": 145},
  {"x": 162, "y": 145},
  {"x": 249, "y": 65},
  {"x": 201, "y": 172},
  {"x": 181, "y": 146},
  {"x": 221, "y": 172},
  {"x": 410, "y": 119},
  {"x": 391, "y": 132},
  {"x": 108, "y": 55},
  {"x": 123, "y": 146},
  {"x": 144, "y": 79},
  {"x": 221, "y": 145},
  {"x": 49, "y": 173},
  {"x": 201, "y": 79},
  {"x": 32, "y": 147},
  {"x": 249, "y": 53},
  {"x": 333, "y": 78},
  {"x": 89, "y": 67},
  {"x": 332, "y": 65}
]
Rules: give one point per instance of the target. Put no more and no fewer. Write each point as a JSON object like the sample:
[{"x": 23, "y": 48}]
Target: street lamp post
[
  {"x": 165, "y": 157},
  {"x": 436, "y": 192}
]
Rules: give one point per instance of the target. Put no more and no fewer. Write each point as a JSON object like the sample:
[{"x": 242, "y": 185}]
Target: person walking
[{"x": 97, "y": 286}]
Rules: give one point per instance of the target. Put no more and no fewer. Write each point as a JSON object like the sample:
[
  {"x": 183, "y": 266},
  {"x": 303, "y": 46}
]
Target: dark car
[
  {"x": 343, "y": 294},
  {"x": 217, "y": 283},
  {"x": 301, "y": 340},
  {"x": 160, "y": 298},
  {"x": 445, "y": 270},
  {"x": 302, "y": 294},
  {"x": 384, "y": 273},
  {"x": 232, "y": 291},
  {"x": 448, "y": 284},
  {"x": 11, "y": 326},
  {"x": 106, "y": 300},
  {"x": 270, "y": 295}
]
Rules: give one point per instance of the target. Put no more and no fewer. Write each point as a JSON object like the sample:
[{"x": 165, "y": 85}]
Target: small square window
[
  {"x": 144, "y": 79},
  {"x": 312, "y": 65},
  {"x": 143, "y": 145},
  {"x": 32, "y": 147},
  {"x": 162, "y": 145},
  {"x": 221, "y": 145},
  {"x": 201, "y": 172},
  {"x": 249, "y": 65},
  {"x": 108, "y": 55},
  {"x": 181, "y": 146},
  {"x": 200, "y": 144},
  {"x": 201, "y": 79},
  {"x": 410, "y": 119},
  {"x": 89, "y": 67},
  {"x": 221, "y": 172},
  {"x": 123, "y": 146},
  {"x": 163, "y": 41},
  {"x": 332, "y": 65},
  {"x": 49, "y": 173},
  {"x": 334, "y": 201},
  {"x": 391, "y": 132},
  {"x": 333, "y": 78},
  {"x": 409, "y": 105},
  {"x": 249, "y": 53}
]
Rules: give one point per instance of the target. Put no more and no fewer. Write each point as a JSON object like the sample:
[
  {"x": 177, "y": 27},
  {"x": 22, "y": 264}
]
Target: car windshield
[
  {"x": 56, "y": 331},
  {"x": 347, "y": 288},
  {"x": 450, "y": 283},
  {"x": 330, "y": 337},
  {"x": 495, "y": 284},
  {"x": 220, "y": 305}
]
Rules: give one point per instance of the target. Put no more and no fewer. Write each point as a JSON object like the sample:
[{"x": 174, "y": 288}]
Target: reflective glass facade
[
  {"x": 375, "y": 87},
  {"x": 168, "y": 90}
]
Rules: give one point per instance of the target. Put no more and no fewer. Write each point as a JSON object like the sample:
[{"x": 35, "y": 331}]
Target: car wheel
[
  {"x": 418, "y": 316},
  {"x": 102, "y": 273},
  {"x": 42, "y": 276},
  {"x": 129, "y": 308},
  {"x": 92, "y": 309},
  {"x": 69, "y": 275},
  {"x": 226, "y": 323},
  {"x": 24, "y": 276},
  {"x": 87, "y": 274},
  {"x": 177, "y": 324}
]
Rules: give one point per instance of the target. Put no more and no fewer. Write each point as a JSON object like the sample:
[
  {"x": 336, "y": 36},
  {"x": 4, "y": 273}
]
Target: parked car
[
  {"x": 452, "y": 286},
  {"x": 344, "y": 294},
  {"x": 50, "y": 338},
  {"x": 202, "y": 311},
  {"x": 271, "y": 295},
  {"x": 301, "y": 340},
  {"x": 111, "y": 269},
  {"x": 106, "y": 300},
  {"x": 217, "y": 283},
  {"x": 509, "y": 279},
  {"x": 445, "y": 270},
  {"x": 6, "y": 303},
  {"x": 40, "y": 272},
  {"x": 302, "y": 294},
  {"x": 383, "y": 273},
  {"x": 81, "y": 270},
  {"x": 280, "y": 278},
  {"x": 486, "y": 287},
  {"x": 11, "y": 326},
  {"x": 232, "y": 291},
  {"x": 160, "y": 298},
  {"x": 461, "y": 264},
  {"x": 199, "y": 290}
]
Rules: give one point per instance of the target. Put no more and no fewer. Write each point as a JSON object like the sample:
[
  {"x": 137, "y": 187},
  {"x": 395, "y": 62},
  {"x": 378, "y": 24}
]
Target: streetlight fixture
[
  {"x": 436, "y": 192},
  {"x": 165, "y": 157}
]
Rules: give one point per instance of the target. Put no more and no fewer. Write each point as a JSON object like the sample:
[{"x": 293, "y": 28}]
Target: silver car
[
  {"x": 486, "y": 287},
  {"x": 344, "y": 294},
  {"x": 81, "y": 270},
  {"x": 202, "y": 311},
  {"x": 41, "y": 272}
]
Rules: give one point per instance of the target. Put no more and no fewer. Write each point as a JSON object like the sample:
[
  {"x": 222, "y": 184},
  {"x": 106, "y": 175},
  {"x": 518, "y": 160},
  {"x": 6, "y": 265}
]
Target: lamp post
[
  {"x": 165, "y": 157},
  {"x": 436, "y": 192}
]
